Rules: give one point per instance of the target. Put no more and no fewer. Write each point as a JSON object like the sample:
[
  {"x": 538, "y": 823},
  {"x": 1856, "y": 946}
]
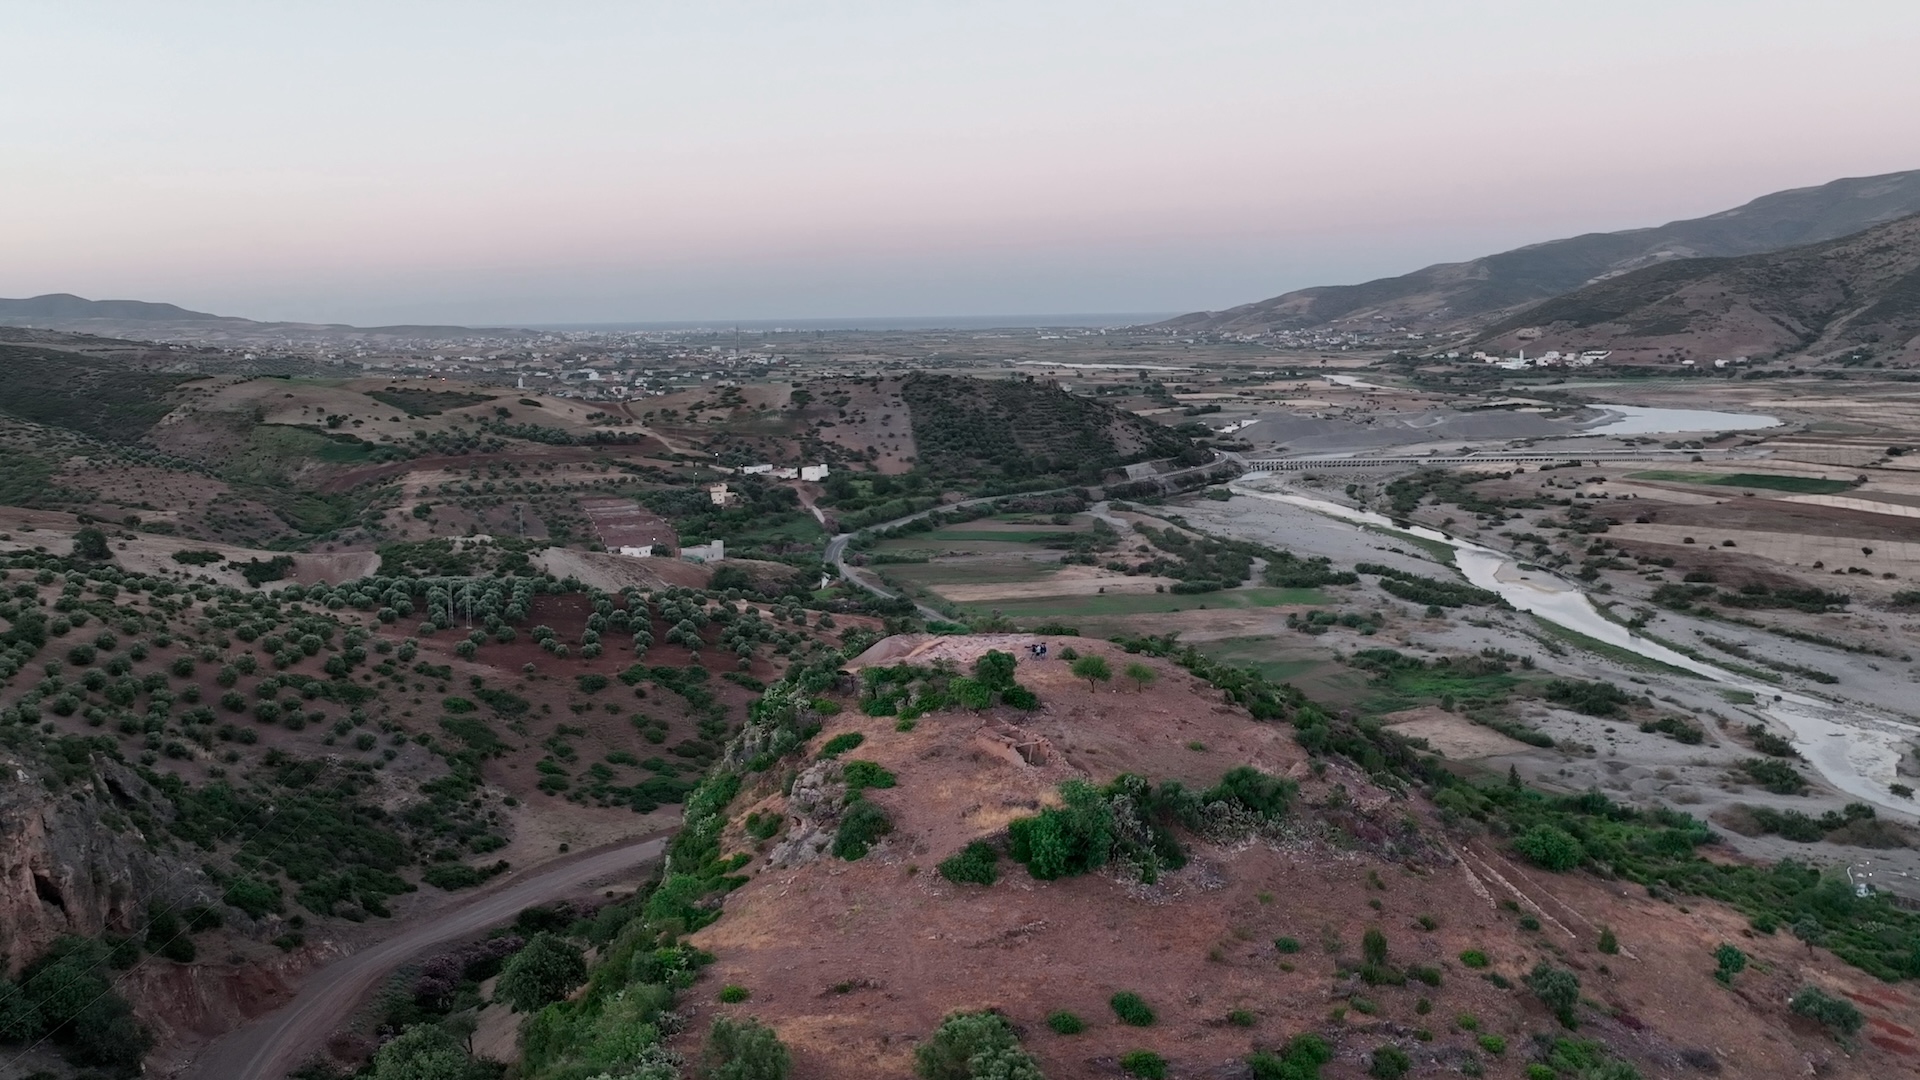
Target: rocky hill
[
  {"x": 1029, "y": 871},
  {"x": 1449, "y": 295},
  {"x": 1854, "y": 299}
]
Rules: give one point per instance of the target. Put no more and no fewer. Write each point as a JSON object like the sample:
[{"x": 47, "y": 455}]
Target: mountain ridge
[
  {"x": 1450, "y": 296},
  {"x": 1857, "y": 296},
  {"x": 171, "y": 322}
]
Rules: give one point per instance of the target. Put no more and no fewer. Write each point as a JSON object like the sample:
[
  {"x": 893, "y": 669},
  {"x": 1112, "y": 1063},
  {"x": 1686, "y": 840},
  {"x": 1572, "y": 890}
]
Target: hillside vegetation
[
  {"x": 1855, "y": 299},
  {"x": 1020, "y": 429}
]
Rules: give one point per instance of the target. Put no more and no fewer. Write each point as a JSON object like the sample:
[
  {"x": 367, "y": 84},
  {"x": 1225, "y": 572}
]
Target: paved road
[{"x": 270, "y": 1046}]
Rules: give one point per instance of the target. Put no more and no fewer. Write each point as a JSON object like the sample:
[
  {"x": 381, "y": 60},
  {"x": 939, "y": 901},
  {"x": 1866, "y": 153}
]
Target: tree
[
  {"x": 546, "y": 969},
  {"x": 743, "y": 1050},
  {"x": 425, "y": 1052},
  {"x": 1141, "y": 674},
  {"x": 19, "y": 1019},
  {"x": 1609, "y": 944},
  {"x": 1557, "y": 988},
  {"x": 91, "y": 543},
  {"x": 995, "y": 669},
  {"x": 1094, "y": 669}
]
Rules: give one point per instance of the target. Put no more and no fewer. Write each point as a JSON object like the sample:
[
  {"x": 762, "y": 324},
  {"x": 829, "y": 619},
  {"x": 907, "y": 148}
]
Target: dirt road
[{"x": 275, "y": 1043}]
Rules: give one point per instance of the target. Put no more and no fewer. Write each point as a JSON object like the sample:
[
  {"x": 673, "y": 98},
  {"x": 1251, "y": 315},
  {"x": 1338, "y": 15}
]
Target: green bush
[
  {"x": 743, "y": 1050},
  {"x": 1241, "y": 1018},
  {"x": 1065, "y": 1023},
  {"x": 841, "y": 743},
  {"x": 1557, "y": 988},
  {"x": 862, "y": 825},
  {"x": 1131, "y": 1009},
  {"x": 1474, "y": 958},
  {"x": 1550, "y": 848},
  {"x": 973, "y": 1046},
  {"x": 1062, "y": 841},
  {"x": 1492, "y": 1044},
  {"x": 860, "y": 775},
  {"x": 1729, "y": 961},
  {"x": 1300, "y": 1059},
  {"x": 1286, "y": 944},
  {"x": 1373, "y": 947},
  {"x": 975, "y": 864},
  {"x": 1839, "y": 1015},
  {"x": 1389, "y": 1063},
  {"x": 1143, "y": 1063},
  {"x": 734, "y": 994}
]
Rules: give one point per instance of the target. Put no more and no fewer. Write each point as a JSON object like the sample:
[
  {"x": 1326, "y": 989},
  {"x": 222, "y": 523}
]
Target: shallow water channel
[{"x": 1853, "y": 749}]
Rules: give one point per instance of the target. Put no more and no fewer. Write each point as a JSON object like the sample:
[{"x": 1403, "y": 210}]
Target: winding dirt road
[{"x": 270, "y": 1046}]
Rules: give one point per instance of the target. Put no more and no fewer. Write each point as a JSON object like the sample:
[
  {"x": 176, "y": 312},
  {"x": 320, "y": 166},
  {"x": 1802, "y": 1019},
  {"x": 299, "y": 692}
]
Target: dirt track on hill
[{"x": 275, "y": 1043}]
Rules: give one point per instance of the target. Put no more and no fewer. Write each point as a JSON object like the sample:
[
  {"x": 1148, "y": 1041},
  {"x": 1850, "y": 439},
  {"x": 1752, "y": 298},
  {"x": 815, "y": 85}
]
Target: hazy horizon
[{"x": 489, "y": 164}]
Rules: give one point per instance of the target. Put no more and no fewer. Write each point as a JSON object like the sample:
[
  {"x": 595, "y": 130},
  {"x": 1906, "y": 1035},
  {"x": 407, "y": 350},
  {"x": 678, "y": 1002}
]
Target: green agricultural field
[
  {"x": 997, "y": 536},
  {"x": 1270, "y": 656},
  {"x": 1799, "y": 485},
  {"x": 991, "y": 569},
  {"x": 1149, "y": 603}
]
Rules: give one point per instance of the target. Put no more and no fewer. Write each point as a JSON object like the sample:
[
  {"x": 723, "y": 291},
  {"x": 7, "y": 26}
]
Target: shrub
[
  {"x": 973, "y": 1045},
  {"x": 1131, "y": 1009},
  {"x": 743, "y": 1050},
  {"x": 1019, "y": 697},
  {"x": 1300, "y": 1059},
  {"x": 1729, "y": 961},
  {"x": 1474, "y": 958},
  {"x": 1389, "y": 1063},
  {"x": 1260, "y": 792},
  {"x": 1373, "y": 947},
  {"x": 734, "y": 994},
  {"x": 1240, "y": 1018},
  {"x": 1065, "y": 1023},
  {"x": 861, "y": 775},
  {"x": 860, "y": 827},
  {"x": 1837, "y": 1014},
  {"x": 1557, "y": 988},
  {"x": 1549, "y": 847},
  {"x": 975, "y": 864},
  {"x": 1492, "y": 1044},
  {"x": 1609, "y": 944},
  {"x": 842, "y": 743},
  {"x": 1286, "y": 944},
  {"x": 1143, "y": 1063},
  {"x": 1062, "y": 841}
]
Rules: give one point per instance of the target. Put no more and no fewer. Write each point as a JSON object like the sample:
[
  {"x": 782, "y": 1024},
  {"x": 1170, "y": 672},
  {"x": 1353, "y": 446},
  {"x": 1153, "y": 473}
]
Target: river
[
  {"x": 1854, "y": 749},
  {"x": 1646, "y": 420}
]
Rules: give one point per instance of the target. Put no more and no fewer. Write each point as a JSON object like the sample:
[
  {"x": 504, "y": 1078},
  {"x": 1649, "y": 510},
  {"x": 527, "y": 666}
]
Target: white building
[
  {"x": 642, "y": 551},
  {"x": 813, "y": 473},
  {"x": 756, "y": 470},
  {"x": 705, "y": 553}
]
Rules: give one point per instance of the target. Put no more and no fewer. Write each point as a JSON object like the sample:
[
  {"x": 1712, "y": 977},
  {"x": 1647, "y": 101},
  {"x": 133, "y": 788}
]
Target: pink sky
[{"x": 613, "y": 161}]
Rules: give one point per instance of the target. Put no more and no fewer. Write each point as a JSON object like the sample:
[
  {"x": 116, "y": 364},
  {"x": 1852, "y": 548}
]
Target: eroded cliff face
[{"x": 73, "y": 862}]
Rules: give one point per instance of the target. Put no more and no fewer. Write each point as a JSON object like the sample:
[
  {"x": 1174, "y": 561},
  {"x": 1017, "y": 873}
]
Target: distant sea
[{"x": 881, "y": 322}]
